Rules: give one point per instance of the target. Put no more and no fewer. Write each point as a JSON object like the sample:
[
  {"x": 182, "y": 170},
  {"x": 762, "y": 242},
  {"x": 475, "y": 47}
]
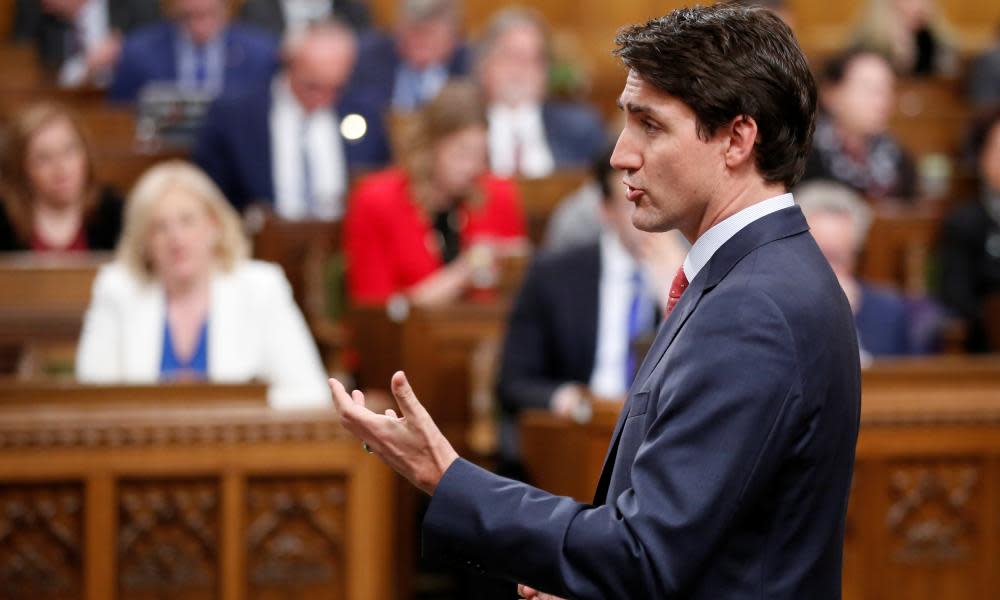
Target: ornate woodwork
[
  {"x": 295, "y": 534},
  {"x": 168, "y": 538},
  {"x": 41, "y": 532}
]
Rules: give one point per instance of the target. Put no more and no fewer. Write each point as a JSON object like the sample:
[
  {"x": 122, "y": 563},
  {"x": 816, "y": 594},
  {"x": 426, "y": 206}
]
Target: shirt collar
[{"x": 720, "y": 233}]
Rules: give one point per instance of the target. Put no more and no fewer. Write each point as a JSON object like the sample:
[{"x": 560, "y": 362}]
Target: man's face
[
  {"x": 426, "y": 43},
  {"x": 516, "y": 70},
  {"x": 319, "y": 68},
  {"x": 671, "y": 174},
  {"x": 201, "y": 19}
]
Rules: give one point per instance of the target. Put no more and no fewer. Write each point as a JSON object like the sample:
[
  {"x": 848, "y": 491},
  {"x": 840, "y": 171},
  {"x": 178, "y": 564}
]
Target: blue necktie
[
  {"x": 638, "y": 314},
  {"x": 200, "y": 67}
]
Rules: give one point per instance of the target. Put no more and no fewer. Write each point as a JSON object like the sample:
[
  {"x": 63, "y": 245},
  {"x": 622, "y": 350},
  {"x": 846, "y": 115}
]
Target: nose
[{"x": 625, "y": 157}]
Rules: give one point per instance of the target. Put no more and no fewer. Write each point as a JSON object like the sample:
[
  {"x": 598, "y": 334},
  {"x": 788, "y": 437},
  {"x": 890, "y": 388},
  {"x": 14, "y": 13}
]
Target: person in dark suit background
[
  {"x": 279, "y": 16},
  {"x": 573, "y": 329},
  {"x": 404, "y": 70},
  {"x": 969, "y": 245},
  {"x": 80, "y": 40},
  {"x": 291, "y": 142},
  {"x": 198, "y": 48},
  {"x": 530, "y": 133},
  {"x": 730, "y": 467},
  {"x": 839, "y": 219}
]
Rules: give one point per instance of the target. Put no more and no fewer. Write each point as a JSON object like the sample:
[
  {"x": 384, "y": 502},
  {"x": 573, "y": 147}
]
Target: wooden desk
[
  {"x": 923, "y": 521},
  {"x": 42, "y": 302},
  {"x": 189, "y": 500},
  {"x": 898, "y": 248},
  {"x": 539, "y": 197}
]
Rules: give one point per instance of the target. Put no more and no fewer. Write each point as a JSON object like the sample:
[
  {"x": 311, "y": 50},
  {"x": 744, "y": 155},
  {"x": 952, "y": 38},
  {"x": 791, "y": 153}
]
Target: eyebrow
[{"x": 637, "y": 108}]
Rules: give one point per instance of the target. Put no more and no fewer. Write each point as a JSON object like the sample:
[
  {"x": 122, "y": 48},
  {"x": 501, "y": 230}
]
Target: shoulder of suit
[
  {"x": 564, "y": 260},
  {"x": 258, "y": 277},
  {"x": 252, "y": 34},
  {"x": 153, "y": 33},
  {"x": 115, "y": 279}
]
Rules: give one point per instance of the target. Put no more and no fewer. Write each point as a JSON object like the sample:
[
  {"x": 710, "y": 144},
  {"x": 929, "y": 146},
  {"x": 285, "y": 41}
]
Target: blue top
[{"x": 172, "y": 368}]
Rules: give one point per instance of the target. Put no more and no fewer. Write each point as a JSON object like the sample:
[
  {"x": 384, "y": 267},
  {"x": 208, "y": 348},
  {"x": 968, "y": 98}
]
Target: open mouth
[{"x": 633, "y": 193}]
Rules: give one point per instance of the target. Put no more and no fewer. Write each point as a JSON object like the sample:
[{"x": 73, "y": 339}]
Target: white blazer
[{"x": 255, "y": 331}]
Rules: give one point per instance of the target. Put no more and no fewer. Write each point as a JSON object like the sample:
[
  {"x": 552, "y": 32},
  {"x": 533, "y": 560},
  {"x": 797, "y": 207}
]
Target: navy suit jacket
[
  {"x": 883, "y": 322},
  {"x": 552, "y": 330},
  {"x": 234, "y": 145},
  {"x": 374, "y": 76},
  {"x": 574, "y": 132},
  {"x": 730, "y": 467},
  {"x": 150, "y": 54}
]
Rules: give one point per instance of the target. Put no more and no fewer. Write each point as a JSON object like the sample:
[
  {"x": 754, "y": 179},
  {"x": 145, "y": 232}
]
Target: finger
[
  {"x": 407, "y": 400},
  {"x": 390, "y": 413},
  {"x": 358, "y": 398},
  {"x": 343, "y": 402}
]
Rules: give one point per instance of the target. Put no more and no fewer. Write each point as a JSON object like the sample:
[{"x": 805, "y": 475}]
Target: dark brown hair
[
  {"x": 725, "y": 61},
  {"x": 15, "y": 188}
]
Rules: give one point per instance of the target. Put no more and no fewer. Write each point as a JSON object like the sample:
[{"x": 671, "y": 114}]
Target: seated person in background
[
  {"x": 839, "y": 221},
  {"x": 429, "y": 231},
  {"x": 852, "y": 143},
  {"x": 572, "y": 331},
  {"x": 984, "y": 79},
  {"x": 292, "y": 142},
  {"x": 530, "y": 135},
  {"x": 197, "y": 49},
  {"x": 51, "y": 199},
  {"x": 80, "y": 40},
  {"x": 913, "y": 34},
  {"x": 182, "y": 301},
  {"x": 970, "y": 241},
  {"x": 281, "y": 16},
  {"x": 403, "y": 71}
]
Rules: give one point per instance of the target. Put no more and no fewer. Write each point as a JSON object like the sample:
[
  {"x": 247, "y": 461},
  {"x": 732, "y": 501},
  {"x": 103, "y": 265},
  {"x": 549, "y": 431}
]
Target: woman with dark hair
[
  {"x": 852, "y": 143},
  {"x": 429, "y": 229},
  {"x": 51, "y": 200}
]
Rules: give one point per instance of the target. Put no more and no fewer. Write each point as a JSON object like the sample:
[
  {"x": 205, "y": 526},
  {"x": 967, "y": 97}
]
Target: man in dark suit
[
  {"x": 198, "y": 49},
  {"x": 579, "y": 320},
  {"x": 80, "y": 40},
  {"x": 729, "y": 470},
  {"x": 292, "y": 142},
  {"x": 530, "y": 134},
  {"x": 282, "y": 15},
  {"x": 402, "y": 71}
]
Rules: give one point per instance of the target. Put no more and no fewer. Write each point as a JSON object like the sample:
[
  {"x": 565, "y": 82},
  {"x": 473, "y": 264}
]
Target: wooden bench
[
  {"x": 923, "y": 520},
  {"x": 204, "y": 496}
]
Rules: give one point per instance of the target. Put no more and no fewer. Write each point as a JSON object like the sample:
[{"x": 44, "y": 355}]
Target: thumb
[{"x": 408, "y": 403}]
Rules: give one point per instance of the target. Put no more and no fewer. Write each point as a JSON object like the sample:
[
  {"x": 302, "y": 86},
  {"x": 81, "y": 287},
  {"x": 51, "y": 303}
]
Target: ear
[{"x": 742, "y": 137}]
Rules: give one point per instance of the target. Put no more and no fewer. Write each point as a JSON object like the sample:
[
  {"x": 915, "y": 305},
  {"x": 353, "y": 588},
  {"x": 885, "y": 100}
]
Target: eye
[{"x": 649, "y": 126}]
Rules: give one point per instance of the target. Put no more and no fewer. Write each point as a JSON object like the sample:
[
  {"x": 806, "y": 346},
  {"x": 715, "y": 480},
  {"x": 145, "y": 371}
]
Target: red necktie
[{"x": 677, "y": 288}]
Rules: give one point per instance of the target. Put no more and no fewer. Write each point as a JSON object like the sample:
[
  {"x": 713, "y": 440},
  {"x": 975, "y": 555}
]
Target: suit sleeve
[
  {"x": 729, "y": 410},
  {"x": 523, "y": 381},
  {"x": 211, "y": 153}
]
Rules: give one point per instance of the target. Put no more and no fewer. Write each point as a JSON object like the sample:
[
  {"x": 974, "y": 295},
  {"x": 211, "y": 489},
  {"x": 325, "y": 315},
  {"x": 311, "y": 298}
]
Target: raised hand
[{"x": 411, "y": 443}]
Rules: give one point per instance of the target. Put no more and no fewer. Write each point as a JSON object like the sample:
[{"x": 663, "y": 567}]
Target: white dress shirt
[
  {"x": 296, "y": 134},
  {"x": 93, "y": 27},
  {"x": 615, "y": 294},
  {"x": 517, "y": 141},
  {"x": 720, "y": 233}
]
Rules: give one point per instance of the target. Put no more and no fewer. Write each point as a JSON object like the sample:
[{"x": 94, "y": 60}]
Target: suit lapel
[{"x": 778, "y": 225}]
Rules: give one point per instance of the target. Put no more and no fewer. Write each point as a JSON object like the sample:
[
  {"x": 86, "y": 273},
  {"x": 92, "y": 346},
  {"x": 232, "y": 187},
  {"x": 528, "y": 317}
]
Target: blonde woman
[
  {"x": 422, "y": 230},
  {"x": 913, "y": 34},
  {"x": 183, "y": 302}
]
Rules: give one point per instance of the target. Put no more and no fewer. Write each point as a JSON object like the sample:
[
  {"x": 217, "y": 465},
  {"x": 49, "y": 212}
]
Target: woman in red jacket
[{"x": 430, "y": 230}]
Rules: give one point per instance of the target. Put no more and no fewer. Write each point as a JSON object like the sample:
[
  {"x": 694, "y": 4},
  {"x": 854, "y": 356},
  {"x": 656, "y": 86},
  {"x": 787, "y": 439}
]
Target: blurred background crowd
[{"x": 249, "y": 181}]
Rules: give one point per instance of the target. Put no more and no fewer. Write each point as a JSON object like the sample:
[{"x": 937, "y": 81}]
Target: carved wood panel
[
  {"x": 41, "y": 533},
  {"x": 295, "y": 536},
  {"x": 168, "y": 538}
]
